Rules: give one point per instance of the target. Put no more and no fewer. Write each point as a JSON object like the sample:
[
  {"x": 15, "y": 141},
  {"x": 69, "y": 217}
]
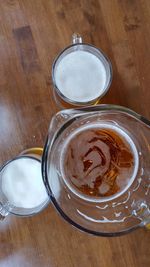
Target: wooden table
[{"x": 32, "y": 32}]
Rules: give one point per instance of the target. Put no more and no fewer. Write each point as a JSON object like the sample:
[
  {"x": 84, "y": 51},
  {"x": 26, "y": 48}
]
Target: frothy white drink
[
  {"x": 22, "y": 183},
  {"x": 81, "y": 76}
]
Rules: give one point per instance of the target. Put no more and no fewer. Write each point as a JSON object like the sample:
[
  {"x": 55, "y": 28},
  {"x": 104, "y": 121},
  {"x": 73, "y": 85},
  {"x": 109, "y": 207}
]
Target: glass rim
[
  {"x": 80, "y": 103},
  {"x": 101, "y": 107},
  {"x": 3, "y": 167}
]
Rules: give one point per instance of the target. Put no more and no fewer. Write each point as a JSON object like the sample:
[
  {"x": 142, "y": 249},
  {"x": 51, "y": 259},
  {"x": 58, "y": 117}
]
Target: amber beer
[
  {"x": 99, "y": 162},
  {"x": 63, "y": 104}
]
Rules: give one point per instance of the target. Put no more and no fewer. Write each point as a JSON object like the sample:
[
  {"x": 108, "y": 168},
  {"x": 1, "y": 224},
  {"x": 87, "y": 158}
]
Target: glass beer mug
[
  {"x": 103, "y": 216},
  {"x": 81, "y": 74},
  {"x": 16, "y": 190}
]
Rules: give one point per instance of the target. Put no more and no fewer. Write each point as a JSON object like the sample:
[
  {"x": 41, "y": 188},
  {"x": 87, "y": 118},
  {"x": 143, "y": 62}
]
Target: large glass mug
[
  {"x": 117, "y": 216},
  {"x": 77, "y": 45}
]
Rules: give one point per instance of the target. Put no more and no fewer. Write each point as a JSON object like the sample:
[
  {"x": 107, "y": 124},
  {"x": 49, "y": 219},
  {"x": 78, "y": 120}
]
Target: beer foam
[
  {"x": 81, "y": 76},
  {"x": 127, "y": 139},
  {"x": 22, "y": 183}
]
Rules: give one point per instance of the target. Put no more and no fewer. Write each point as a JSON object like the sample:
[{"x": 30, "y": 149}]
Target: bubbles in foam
[
  {"x": 81, "y": 76},
  {"x": 124, "y": 174}
]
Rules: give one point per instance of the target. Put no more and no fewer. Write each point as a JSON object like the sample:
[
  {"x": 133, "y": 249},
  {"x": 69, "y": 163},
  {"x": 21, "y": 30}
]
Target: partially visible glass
[
  {"x": 77, "y": 45},
  {"x": 6, "y": 207},
  {"x": 130, "y": 210},
  {"x": 36, "y": 152}
]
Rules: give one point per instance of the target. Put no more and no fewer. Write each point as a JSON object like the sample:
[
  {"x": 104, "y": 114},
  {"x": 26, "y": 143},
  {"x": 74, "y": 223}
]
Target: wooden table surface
[{"x": 32, "y": 32}]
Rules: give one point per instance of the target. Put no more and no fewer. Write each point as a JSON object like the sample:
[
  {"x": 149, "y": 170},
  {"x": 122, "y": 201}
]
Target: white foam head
[
  {"x": 129, "y": 142},
  {"x": 22, "y": 183},
  {"x": 81, "y": 76}
]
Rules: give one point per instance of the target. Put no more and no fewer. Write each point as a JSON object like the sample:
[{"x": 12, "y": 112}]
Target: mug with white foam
[
  {"x": 22, "y": 191},
  {"x": 81, "y": 74}
]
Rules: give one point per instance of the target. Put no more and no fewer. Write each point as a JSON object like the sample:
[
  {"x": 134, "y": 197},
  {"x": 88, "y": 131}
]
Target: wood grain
[{"x": 31, "y": 34}]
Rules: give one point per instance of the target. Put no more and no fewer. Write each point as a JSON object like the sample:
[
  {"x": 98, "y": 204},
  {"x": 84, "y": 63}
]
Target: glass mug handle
[
  {"x": 142, "y": 212},
  {"x": 4, "y": 210},
  {"x": 76, "y": 38}
]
